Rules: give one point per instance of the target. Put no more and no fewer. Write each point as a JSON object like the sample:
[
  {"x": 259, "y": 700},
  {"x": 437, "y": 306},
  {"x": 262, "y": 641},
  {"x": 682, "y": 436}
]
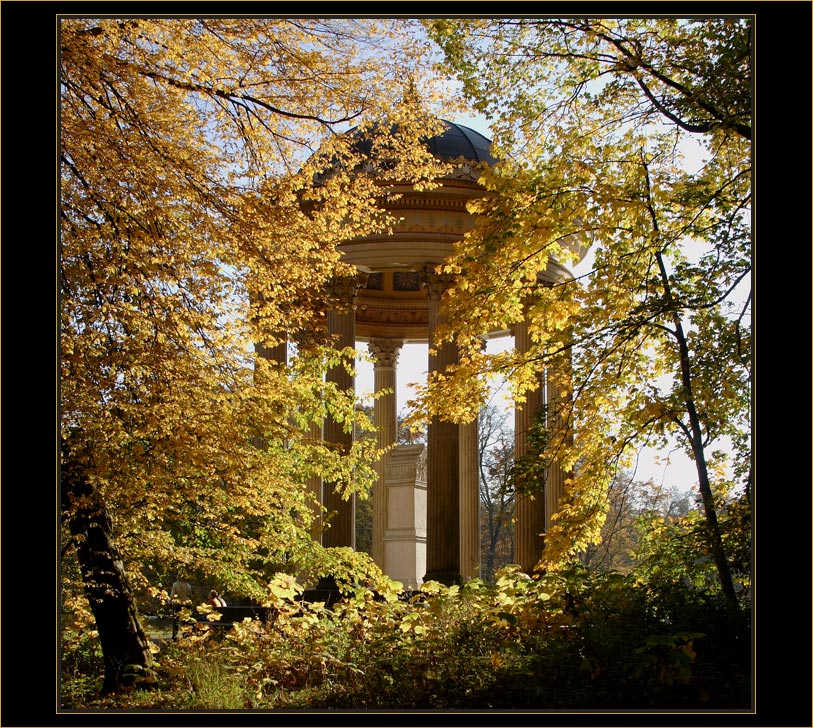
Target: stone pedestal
[{"x": 405, "y": 534}]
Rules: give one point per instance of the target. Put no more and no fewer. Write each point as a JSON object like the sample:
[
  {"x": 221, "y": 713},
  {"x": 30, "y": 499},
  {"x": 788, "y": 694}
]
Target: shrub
[{"x": 566, "y": 640}]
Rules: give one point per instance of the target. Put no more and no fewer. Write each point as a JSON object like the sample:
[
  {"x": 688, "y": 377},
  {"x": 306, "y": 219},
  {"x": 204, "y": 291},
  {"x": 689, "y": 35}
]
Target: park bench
[{"x": 229, "y": 615}]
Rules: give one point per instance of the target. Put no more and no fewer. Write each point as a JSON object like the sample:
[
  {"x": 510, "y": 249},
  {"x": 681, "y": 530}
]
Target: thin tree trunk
[
  {"x": 127, "y": 657},
  {"x": 696, "y": 438},
  {"x": 694, "y": 433},
  {"x": 492, "y": 549}
]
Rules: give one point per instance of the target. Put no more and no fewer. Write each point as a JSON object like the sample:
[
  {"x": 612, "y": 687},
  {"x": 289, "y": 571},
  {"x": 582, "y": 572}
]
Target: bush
[{"x": 567, "y": 640}]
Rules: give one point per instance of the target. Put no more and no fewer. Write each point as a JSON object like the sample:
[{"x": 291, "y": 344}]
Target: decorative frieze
[
  {"x": 410, "y": 535},
  {"x": 436, "y": 201},
  {"x": 406, "y": 280},
  {"x": 433, "y": 222},
  {"x": 402, "y": 463},
  {"x": 393, "y": 314},
  {"x": 404, "y": 471}
]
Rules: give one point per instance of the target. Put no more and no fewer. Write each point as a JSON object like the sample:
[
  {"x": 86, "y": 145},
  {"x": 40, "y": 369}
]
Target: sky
[{"x": 670, "y": 468}]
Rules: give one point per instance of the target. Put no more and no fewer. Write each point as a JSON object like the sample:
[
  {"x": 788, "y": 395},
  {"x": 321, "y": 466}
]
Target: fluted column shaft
[
  {"x": 443, "y": 454},
  {"x": 469, "y": 501},
  {"x": 385, "y": 353},
  {"x": 314, "y": 486},
  {"x": 278, "y": 355},
  {"x": 556, "y": 421},
  {"x": 306, "y": 341},
  {"x": 529, "y": 510},
  {"x": 341, "y": 326}
]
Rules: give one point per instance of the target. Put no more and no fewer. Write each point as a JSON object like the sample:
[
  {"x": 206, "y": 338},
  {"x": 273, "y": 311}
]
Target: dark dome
[
  {"x": 461, "y": 141},
  {"x": 450, "y": 145}
]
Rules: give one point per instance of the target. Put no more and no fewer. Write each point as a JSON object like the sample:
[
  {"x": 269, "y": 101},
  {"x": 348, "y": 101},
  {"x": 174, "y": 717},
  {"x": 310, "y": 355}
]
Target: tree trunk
[
  {"x": 490, "y": 556},
  {"x": 127, "y": 657},
  {"x": 694, "y": 433},
  {"x": 712, "y": 524}
]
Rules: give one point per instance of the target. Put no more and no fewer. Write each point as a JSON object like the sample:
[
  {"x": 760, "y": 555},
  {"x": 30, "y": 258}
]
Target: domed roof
[
  {"x": 454, "y": 142},
  {"x": 461, "y": 141}
]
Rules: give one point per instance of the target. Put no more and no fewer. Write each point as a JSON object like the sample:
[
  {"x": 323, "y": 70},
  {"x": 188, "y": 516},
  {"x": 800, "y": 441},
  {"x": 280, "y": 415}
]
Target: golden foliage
[
  {"x": 206, "y": 181},
  {"x": 592, "y": 118}
]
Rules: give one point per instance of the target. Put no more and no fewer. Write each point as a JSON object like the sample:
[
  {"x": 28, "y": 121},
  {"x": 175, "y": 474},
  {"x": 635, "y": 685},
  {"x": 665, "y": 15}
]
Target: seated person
[{"x": 216, "y": 600}]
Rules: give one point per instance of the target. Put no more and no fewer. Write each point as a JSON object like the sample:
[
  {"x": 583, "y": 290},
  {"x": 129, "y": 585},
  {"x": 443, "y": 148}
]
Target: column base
[{"x": 447, "y": 578}]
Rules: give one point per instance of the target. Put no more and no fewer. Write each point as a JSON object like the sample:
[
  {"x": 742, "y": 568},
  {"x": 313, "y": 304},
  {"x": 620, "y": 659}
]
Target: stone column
[
  {"x": 314, "y": 486},
  {"x": 469, "y": 501},
  {"x": 277, "y": 354},
  {"x": 529, "y": 510},
  {"x": 443, "y": 453},
  {"x": 385, "y": 353},
  {"x": 470, "y": 497},
  {"x": 307, "y": 341},
  {"x": 341, "y": 326},
  {"x": 556, "y": 413}
]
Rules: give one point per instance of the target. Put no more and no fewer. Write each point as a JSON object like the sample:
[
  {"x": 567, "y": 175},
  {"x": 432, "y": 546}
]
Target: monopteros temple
[{"x": 425, "y": 501}]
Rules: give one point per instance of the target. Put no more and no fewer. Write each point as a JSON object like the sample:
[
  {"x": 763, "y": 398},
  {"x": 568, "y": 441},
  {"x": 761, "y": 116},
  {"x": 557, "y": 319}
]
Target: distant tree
[
  {"x": 364, "y": 525},
  {"x": 630, "y": 501},
  {"x": 409, "y": 434},
  {"x": 496, "y": 456},
  {"x": 672, "y": 548}
]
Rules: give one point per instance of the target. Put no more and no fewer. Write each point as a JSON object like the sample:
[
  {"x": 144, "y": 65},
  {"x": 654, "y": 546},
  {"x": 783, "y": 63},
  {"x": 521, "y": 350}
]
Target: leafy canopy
[
  {"x": 205, "y": 185},
  {"x": 593, "y": 119}
]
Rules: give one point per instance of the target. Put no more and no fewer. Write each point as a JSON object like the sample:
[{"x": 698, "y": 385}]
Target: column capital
[
  {"x": 434, "y": 281},
  {"x": 385, "y": 351},
  {"x": 342, "y": 291}
]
